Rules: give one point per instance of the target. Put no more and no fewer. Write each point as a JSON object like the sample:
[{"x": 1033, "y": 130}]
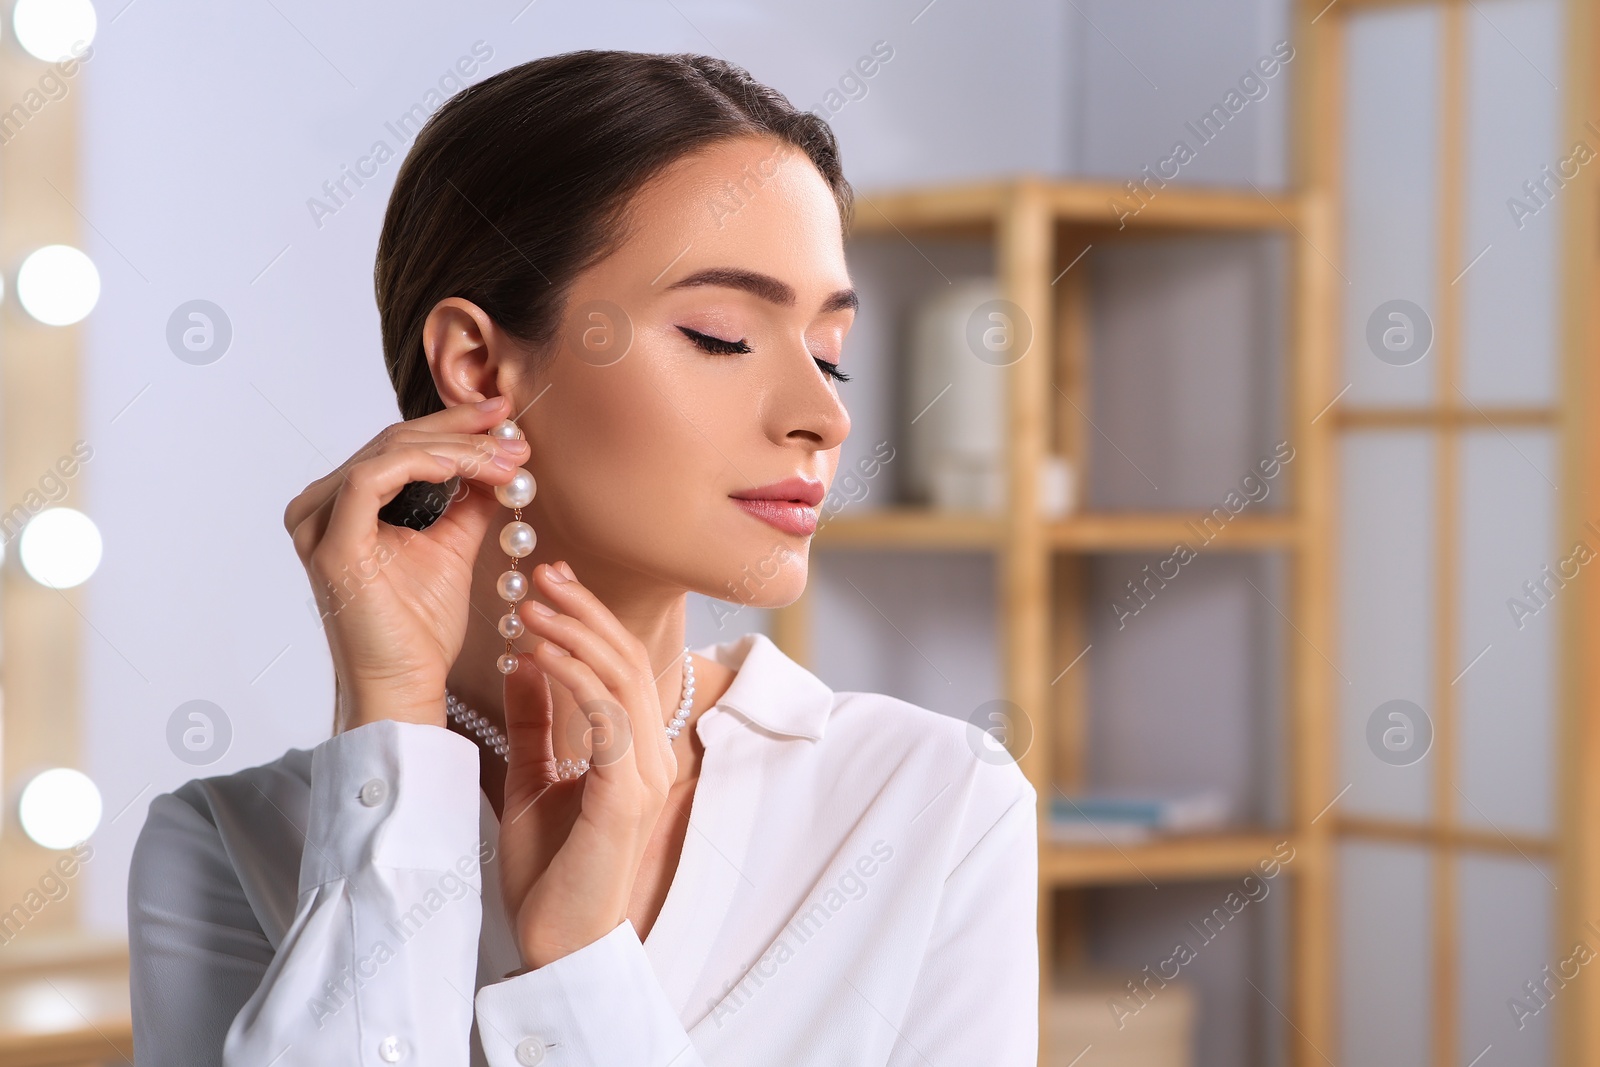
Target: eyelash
[{"x": 719, "y": 347}]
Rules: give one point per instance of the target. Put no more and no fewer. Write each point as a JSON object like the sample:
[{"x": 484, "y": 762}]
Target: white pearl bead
[
  {"x": 506, "y": 430},
  {"x": 507, "y": 663},
  {"x": 512, "y": 586},
  {"x": 518, "y": 492},
  {"x": 517, "y": 539},
  {"x": 510, "y": 626}
]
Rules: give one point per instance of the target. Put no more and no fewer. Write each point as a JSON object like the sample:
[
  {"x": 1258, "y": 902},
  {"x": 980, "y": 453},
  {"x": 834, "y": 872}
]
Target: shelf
[
  {"x": 1113, "y": 532},
  {"x": 926, "y": 529},
  {"x": 1188, "y": 858},
  {"x": 912, "y": 527},
  {"x": 977, "y": 207},
  {"x": 69, "y": 1011},
  {"x": 1036, "y": 229}
]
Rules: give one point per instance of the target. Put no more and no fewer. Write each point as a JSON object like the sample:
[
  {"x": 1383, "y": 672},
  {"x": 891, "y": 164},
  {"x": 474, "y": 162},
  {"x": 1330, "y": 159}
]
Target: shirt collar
[{"x": 770, "y": 689}]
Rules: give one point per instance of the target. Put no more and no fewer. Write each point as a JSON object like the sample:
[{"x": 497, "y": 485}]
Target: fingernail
[
  {"x": 555, "y": 573},
  {"x": 556, "y": 649},
  {"x": 504, "y": 461},
  {"x": 567, "y": 570},
  {"x": 490, "y": 404},
  {"x": 542, "y": 609},
  {"x": 515, "y": 444}
]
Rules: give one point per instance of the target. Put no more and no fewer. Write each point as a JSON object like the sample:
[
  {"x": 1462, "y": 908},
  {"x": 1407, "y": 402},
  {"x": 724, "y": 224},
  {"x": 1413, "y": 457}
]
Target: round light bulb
[
  {"x": 53, "y": 30},
  {"x": 59, "y": 808},
  {"x": 60, "y": 548},
  {"x": 58, "y": 285}
]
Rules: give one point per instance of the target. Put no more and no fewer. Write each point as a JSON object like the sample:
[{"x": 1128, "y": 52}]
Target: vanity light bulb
[
  {"x": 59, "y": 808},
  {"x": 60, "y": 548},
  {"x": 58, "y": 285},
  {"x": 54, "y": 30}
]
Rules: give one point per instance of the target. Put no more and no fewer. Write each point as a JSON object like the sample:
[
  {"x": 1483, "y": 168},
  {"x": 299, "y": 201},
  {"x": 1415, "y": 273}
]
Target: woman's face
[{"x": 688, "y": 372}]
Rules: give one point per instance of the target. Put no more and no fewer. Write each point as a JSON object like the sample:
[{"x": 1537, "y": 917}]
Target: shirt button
[
  {"x": 391, "y": 1048},
  {"x": 530, "y": 1052},
  {"x": 373, "y": 792}
]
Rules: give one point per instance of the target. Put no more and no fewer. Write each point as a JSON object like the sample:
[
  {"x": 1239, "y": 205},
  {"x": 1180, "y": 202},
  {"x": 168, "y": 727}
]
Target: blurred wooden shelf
[
  {"x": 1107, "y": 531},
  {"x": 1186, "y": 858},
  {"x": 1038, "y": 229},
  {"x": 926, "y": 529},
  {"x": 64, "y": 1004},
  {"x": 976, "y": 208},
  {"x": 913, "y": 528}
]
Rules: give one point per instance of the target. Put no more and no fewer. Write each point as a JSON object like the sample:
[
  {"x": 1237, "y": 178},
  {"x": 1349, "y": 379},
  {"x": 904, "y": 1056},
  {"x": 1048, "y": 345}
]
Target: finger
[
  {"x": 620, "y": 660},
  {"x": 320, "y": 492},
  {"x": 463, "y": 418},
  {"x": 460, "y": 420},
  {"x": 352, "y": 525},
  {"x": 622, "y": 676},
  {"x": 530, "y": 714},
  {"x": 374, "y": 481},
  {"x": 574, "y": 598},
  {"x": 610, "y": 723},
  {"x": 308, "y": 534},
  {"x": 493, "y": 462}
]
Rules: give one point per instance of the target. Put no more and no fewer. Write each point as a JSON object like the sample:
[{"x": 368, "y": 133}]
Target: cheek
[{"x": 627, "y": 450}]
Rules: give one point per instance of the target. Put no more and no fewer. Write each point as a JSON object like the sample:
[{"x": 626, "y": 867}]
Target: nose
[{"x": 804, "y": 405}]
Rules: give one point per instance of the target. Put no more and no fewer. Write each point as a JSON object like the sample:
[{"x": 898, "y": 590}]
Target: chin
[{"x": 765, "y": 573}]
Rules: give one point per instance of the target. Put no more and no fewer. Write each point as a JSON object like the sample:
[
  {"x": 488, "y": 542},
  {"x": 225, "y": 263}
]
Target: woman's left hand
[{"x": 570, "y": 851}]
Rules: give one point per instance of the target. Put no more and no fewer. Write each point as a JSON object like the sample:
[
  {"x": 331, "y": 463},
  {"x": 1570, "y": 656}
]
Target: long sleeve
[
  {"x": 195, "y": 950},
  {"x": 378, "y": 965},
  {"x": 601, "y": 1004},
  {"x": 976, "y": 997}
]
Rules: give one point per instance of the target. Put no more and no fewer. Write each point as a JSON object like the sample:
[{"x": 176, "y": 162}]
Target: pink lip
[
  {"x": 787, "y": 515},
  {"x": 789, "y": 504},
  {"x": 794, "y": 487}
]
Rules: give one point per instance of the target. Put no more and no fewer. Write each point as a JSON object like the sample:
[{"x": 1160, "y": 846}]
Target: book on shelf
[{"x": 1123, "y": 816}]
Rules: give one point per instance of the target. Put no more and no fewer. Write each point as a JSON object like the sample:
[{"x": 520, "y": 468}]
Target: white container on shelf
[
  {"x": 957, "y": 449},
  {"x": 1056, "y": 487},
  {"x": 956, "y": 455}
]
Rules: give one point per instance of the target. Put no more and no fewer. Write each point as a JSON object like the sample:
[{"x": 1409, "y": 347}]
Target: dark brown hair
[{"x": 521, "y": 181}]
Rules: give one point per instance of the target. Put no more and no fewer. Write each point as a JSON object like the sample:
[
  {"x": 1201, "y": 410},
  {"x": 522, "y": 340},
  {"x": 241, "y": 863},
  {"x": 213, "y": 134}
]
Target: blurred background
[{"x": 1223, "y": 450}]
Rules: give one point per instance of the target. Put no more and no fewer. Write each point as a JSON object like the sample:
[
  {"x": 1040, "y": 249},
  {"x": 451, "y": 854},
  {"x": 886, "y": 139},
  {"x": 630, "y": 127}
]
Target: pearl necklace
[{"x": 495, "y": 739}]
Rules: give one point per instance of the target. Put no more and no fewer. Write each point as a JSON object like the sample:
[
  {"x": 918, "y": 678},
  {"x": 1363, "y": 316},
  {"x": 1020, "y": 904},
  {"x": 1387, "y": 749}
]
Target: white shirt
[{"x": 858, "y": 886}]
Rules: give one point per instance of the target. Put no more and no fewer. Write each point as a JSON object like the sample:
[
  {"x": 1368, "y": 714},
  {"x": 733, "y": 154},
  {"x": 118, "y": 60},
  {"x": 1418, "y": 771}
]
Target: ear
[{"x": 467, "y": 353}]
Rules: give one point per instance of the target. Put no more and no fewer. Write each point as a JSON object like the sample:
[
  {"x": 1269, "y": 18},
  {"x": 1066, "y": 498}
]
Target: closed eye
[
  {"x": 831, "y": 370},
  {"x": 715, "y": 345},
  {"x": 721, "y": 347}
]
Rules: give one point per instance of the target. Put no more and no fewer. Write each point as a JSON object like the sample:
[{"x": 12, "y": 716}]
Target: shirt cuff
[
  {"x": 600, "y": 1004},
  {"x": 395, "y": 795}
]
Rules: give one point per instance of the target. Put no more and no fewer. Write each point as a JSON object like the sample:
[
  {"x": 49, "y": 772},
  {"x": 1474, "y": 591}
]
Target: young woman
[{"x": 614, "y": 296}]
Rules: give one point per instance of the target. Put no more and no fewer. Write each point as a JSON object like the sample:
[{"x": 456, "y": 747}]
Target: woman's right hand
[{"x": 394, "y": 600}]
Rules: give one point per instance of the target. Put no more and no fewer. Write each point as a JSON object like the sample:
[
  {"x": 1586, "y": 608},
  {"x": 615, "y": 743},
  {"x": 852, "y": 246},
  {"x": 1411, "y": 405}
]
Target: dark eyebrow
[{"x": 765, "y": 286}]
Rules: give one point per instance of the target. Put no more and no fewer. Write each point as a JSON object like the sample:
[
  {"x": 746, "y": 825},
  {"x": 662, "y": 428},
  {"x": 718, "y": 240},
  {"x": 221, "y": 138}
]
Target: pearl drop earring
[{"x": 517, "y": 541}]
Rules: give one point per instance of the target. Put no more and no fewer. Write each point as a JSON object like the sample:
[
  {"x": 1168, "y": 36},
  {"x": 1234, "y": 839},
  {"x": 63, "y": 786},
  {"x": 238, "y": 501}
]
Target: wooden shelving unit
[
  {"x": 919, "y": 528},
  {"x": 1448, "y": 835},
  {"x": 1190, "y": 857},
  {"x": 1040, "y": 230}
]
